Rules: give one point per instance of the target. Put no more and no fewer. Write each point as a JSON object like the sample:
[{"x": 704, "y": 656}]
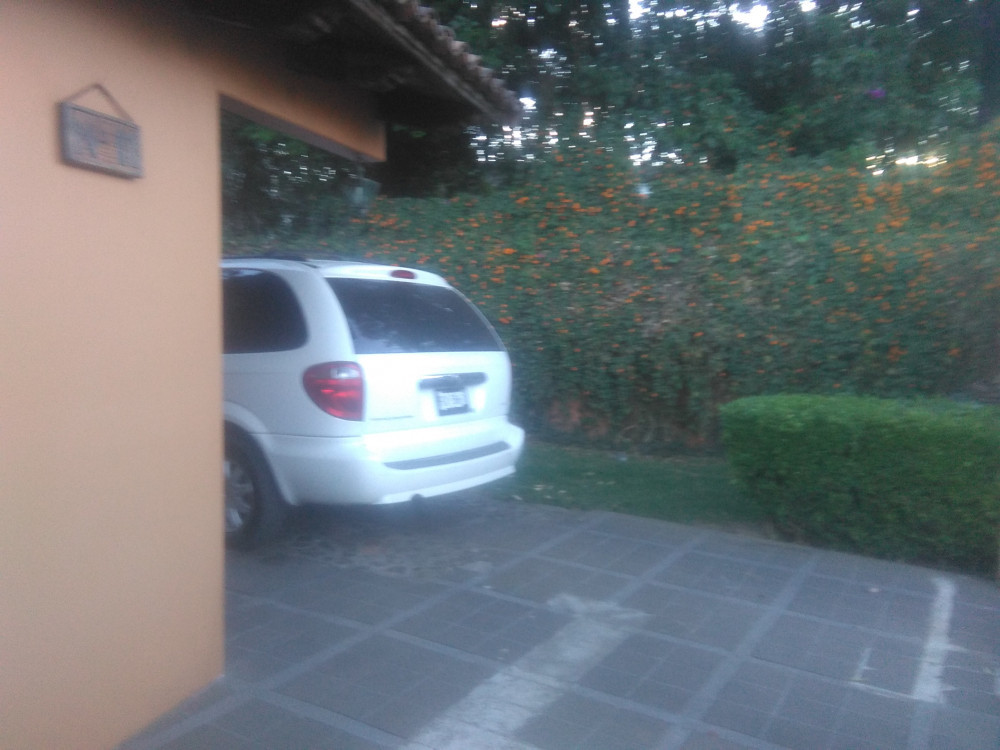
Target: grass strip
[{"x": 692, "y": 490}]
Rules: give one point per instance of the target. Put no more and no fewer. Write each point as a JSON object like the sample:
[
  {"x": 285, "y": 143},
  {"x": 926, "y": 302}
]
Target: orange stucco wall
[{"x": 111, "y": 558}]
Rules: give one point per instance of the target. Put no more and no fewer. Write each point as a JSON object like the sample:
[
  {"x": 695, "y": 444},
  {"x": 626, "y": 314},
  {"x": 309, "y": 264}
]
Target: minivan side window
[
  {"x": 402, "y": 317},
  {"x": 259, "y": 313}
]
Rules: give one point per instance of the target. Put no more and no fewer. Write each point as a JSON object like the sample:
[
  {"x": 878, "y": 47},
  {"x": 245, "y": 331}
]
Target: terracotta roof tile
[{"x": 423, "y": 23}]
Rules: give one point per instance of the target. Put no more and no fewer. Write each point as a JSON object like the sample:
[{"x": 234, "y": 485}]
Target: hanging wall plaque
[{"x": 95, "y": 140}]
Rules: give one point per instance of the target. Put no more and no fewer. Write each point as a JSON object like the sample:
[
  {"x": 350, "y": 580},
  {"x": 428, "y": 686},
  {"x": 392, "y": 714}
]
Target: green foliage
[
  {"x": 630, "y": 317},
  {"x": 703, "y": 85},
  {"x": 913, "y": 481}
]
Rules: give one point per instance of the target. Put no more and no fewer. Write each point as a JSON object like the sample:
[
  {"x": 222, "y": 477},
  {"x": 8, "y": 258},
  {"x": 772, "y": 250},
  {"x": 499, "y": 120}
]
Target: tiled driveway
[{"x": 477, "y": 624}]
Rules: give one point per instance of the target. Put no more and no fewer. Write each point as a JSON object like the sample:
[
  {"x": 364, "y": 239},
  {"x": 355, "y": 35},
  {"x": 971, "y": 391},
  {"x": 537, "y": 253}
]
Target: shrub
[
  {"x": 634, "y": 303},
  {"x": 909, "y": 480}
]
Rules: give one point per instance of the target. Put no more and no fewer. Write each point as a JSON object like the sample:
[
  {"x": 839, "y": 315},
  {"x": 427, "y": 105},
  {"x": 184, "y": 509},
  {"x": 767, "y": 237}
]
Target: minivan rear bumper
[{"x": 393, "y": 467}]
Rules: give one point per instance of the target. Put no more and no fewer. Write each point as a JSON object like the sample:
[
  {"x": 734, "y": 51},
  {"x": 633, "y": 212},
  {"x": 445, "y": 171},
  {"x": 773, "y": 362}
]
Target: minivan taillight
[{"x": 338, "y": 388}]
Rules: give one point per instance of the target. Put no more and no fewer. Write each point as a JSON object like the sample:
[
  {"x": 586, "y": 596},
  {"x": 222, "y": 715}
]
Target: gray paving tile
[
  {"x": 631, "y": 731},
  {"x": 332, "y": 584},
  {"x": 841, "y": 652},
  {"x": 363, "y": 597},
  {"x": 683, "y": 665},
  {"x": 215, "y": 738},
  {"x": 266, "y": 725},
  {"x": 748, "y": 700},
  {"x": 579, "y": 722},
  {"x": 739, "y": 717},
  {"x": 798, "y": 710},
  {"x": 971, "y": 699},
  {"x": 961, "y": 730},
  {"x": 975, "y": 627},
  {"x": 390, "y": 684},
  {"x": 485, "y": 625},
  {"x": 261, "y": 574},
  {"x": 706, "y": 619},
  {"x": 872, "y": 721},
  {"x": 863, "y": 604},
  {"x": 252, "y": 719},
  {"x": 977, "y": 592},
  {"x": 796, "y": 734},
  {"x": 610, "y": 552},
  {"x": 712, "y": 740},
  {"x": 540, "y": 580},
  {"x": 333, "y": 694},
  {"x": 741, "y": 579},
  {"x": 532, "y": 628},
  {"x": 251, "y": 665},
  {"x": 972, "y": 680},
  {"x": 288, "y": 636},
  {"x": 405, "y": 714},
  {"x": 299, "y": 732},
  {"x": 265, "y": 639},
  {"x": 244, "y": 612},
  {"x": 653, "y": 672},
  {"x": 751, "y": 549},
  {"x": 878, "y": 573},
  {"x": 662, "y": 696},
  {"x": 815, "y": 710},
  {"x": 521, "y": 534}
]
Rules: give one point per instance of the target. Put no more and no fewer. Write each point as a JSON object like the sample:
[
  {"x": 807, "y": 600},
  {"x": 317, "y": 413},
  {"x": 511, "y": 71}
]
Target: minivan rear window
[{"x": 402, "y": 317}]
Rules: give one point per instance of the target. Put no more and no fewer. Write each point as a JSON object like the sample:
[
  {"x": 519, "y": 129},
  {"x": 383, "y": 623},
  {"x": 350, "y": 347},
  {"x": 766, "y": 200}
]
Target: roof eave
[
  {"x": 395, "y": 48},
  {"x": 486, "y": 96}
]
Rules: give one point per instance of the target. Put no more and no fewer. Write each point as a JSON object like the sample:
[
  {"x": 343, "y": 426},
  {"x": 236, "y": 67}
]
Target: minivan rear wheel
[{"x": 254, "y": 509}]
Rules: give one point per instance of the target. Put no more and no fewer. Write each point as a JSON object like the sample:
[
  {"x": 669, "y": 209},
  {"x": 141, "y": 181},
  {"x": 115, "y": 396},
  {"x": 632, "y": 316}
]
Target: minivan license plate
[{"x": 451, "y": 402}]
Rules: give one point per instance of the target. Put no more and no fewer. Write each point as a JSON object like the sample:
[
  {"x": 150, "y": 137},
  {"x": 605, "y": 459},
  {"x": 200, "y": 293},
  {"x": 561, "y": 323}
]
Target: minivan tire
[{"x": 254, "y": 509}]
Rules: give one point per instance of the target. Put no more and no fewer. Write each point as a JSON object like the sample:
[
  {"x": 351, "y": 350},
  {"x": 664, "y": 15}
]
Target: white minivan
[{"x": 351, "y": 382}]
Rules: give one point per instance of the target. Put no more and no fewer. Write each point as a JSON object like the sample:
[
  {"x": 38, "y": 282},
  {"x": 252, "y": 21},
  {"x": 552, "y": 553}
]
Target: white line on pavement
[
  {"x": 859, "y": 671},
  {"x": 928, "y": 686},
  {"x": 488, "y": 716}
]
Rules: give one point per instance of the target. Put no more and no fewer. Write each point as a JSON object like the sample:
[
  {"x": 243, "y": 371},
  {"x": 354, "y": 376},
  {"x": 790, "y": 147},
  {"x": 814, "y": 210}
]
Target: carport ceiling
[{"x": 421, "y": 74}]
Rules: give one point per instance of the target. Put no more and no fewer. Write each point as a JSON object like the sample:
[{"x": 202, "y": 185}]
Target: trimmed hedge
[{"x": 908, "y": 480}]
